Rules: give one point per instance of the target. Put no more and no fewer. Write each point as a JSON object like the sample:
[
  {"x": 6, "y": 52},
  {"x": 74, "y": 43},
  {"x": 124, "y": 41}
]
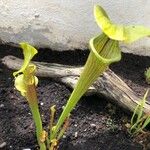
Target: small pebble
[
  {"x": 41, "y": 103},
  {"x": 75, "y": 125},
  {"x": 93, "y": 125},
  {"x": 26, "y": 149},
  {"x": 1, "y": 105},
  {"x": 2, "y": 145},
  {"x": 76, "y": 134},
  {"x": 12, "y": 96}
]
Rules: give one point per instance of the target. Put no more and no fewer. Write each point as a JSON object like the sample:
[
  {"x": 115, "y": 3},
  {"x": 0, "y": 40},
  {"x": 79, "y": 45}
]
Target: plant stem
[
  {"x": 33, "y": 103},
  {"x": 52, "y": 112},
  {"x": 103, "y": 52},
  {"x": 81, "y": 87}
]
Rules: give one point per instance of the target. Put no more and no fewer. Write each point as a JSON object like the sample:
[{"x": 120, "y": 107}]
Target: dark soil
[{"x": 95, "y": 123}]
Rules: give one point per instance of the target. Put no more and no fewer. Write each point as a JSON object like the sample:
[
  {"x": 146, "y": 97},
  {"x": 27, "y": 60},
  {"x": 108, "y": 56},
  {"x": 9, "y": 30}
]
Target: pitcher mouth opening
[{"x": 105, "y": 49}]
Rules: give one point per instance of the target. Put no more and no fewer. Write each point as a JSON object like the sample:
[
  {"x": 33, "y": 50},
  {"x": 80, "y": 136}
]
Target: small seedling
[
  {"x": 147, "y": 75},
  {"x": 139, "y": 120},
  {"x": 25, "y": 83}
]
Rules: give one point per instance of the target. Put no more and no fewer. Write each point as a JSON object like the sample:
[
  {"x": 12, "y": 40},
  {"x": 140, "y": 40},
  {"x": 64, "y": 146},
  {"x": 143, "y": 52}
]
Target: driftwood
[{"x": 108, "y": 85}]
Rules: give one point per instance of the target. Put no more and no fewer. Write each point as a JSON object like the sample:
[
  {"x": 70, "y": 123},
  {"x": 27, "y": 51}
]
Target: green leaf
[
  {"x": 137, "y": 119},
  {"x": 147, "y": 121},
  {"x": 105, "y": 49},
  {"x": 28, "y": 52},
  {"x": 20, "y": 85},
  {"x": 29, "y": 75},
  {"x": 28, "y": 78},
  {"x": 139, "y": 109},
  {"x": 126, "y": 34}
]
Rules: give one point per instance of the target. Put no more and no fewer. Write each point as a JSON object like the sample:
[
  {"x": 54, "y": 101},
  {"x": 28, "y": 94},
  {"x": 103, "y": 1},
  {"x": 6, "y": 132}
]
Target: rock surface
[{"x": 67, "y": 25}]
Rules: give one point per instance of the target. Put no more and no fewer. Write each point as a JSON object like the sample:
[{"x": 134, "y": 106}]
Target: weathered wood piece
[{"x": 108, "y": 85}]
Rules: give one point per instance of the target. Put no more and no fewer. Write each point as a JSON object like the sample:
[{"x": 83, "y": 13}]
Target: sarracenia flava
[
  {"x": 104, "y": 51},
  {"x": 26, "y": 82}
]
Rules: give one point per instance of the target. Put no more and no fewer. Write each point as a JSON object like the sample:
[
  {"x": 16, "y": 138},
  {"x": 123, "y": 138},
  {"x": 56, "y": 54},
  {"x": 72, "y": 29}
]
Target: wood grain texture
[{"x": 108, "y": 85}]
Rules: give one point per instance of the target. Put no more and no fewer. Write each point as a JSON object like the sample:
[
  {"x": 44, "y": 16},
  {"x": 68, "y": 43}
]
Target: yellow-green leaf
[
  {"x": 27, "y": 78},
  {"x": 28, "y": 52},
  {"x": 127, "y": 34},
  {"x": 20, "y": 84},
  {"x": 29, "y": 75}
]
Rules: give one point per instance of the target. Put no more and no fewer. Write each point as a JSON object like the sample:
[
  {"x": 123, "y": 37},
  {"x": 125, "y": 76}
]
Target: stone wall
[{"x": 68, "y": 24}]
